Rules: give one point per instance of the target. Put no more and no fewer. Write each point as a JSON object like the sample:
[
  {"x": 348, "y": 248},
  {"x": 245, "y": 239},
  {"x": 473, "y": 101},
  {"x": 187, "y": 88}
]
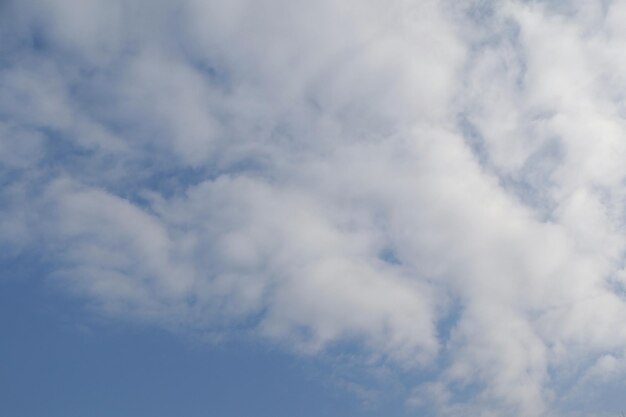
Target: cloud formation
[{"x": 440, "y": 183}]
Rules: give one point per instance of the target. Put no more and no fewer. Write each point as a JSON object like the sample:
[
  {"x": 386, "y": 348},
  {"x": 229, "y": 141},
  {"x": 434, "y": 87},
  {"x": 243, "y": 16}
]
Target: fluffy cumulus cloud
[{"x": 437, "y": 184}]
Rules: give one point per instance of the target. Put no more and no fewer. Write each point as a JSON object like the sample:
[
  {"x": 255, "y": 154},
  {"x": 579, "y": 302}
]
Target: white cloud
[{"x": 323, "y": 173}]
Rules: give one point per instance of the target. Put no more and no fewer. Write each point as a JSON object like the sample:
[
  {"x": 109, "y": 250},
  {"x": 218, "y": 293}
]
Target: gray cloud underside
[{"x": 314, "y": 173}]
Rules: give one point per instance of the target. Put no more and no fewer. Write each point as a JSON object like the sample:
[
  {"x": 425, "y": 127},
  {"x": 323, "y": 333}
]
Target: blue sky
[
  {"x": 293, "y": 208},
  {"x": 56, "y": 364}
]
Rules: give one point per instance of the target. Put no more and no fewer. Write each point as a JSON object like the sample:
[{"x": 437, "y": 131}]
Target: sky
[{"x": 281, "y": 208}]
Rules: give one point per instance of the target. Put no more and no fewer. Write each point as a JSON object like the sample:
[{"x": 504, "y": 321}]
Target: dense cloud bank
[{"x": 439, "y": 183}]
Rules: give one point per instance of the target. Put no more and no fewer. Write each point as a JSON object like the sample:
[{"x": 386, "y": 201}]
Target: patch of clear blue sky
[
  {"x": 57, "y": 360},
  {"x": 52, "y": 365}
]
